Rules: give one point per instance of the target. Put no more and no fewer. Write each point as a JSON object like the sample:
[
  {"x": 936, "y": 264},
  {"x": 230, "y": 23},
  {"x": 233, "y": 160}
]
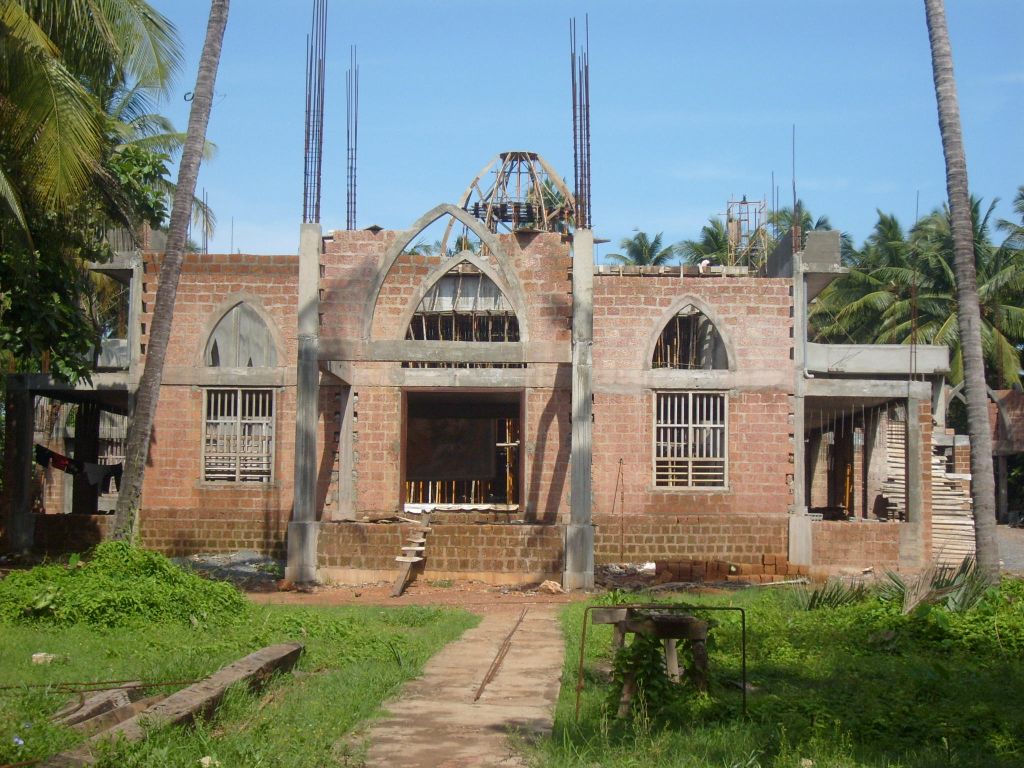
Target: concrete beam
[
  {"x": 629, "y": 382},
  {"x": 867, "y": 388},
  {"x": 537, "y": 375},
  {"x": 878, "y": 359},
  {"x": 202, "y": 376},
  {"x": 444, "y": 351}
]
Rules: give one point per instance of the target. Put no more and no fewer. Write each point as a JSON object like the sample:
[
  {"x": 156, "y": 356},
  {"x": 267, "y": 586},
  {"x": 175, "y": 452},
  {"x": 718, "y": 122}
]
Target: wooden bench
[{"x": 662, "y": 624}]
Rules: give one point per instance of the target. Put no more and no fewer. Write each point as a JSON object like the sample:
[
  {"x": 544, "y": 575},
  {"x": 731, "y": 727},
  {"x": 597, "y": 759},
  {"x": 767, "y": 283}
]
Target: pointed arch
[
  {"x": 716, "y": 342},
  {"x": 514, "y": 297},
  {"x": 241, "y": 334},
  {"x": 398, "y": 246}
]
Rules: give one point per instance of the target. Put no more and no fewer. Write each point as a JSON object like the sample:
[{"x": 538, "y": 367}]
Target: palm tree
[
  {"x": 642, "y": 251},
  {"x": 983, "y": 489},
  {"x": 133, "y": 126},
  {"x": 783, "y": 219},
  {"x": 712, "y": 245},
  {"x": 903, "y": 290},
  {"x": 55, "y": 60},
  {"x": 147, "y": 396}
]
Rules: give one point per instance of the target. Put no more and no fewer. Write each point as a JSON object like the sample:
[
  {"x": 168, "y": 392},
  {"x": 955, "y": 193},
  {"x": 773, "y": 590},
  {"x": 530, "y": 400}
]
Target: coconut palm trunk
[
  {"x": 137, "y": 448},
  {"x": 968, "y": 311}
]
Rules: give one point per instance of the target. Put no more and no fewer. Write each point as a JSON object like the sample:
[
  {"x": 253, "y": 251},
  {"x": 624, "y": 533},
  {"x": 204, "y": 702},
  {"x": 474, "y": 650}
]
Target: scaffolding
[{"x": 747, "y": 230}]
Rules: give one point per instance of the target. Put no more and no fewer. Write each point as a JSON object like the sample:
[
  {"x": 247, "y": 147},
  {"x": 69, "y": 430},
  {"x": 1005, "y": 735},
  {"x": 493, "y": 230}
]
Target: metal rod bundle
[
  {"x": 580, "y": 65},
  {"x": 352, "y": 135},
  {"x": 316, "y": 47}
]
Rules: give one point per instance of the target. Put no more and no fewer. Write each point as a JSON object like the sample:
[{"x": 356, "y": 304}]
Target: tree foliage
[
  {"x": 643, "y": 251},
  {"x": 902, "y": 288},
  {"x": 77, "y": 159}
]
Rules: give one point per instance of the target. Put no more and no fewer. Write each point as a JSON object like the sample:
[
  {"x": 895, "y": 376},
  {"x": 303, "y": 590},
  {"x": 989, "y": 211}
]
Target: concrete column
[
  {"x": 876, "y": 460},
  {"x": 939, "y": 404},
  {"x": 303, "y": 528},
  {"x": 87, "y": 449},
  {"x": 579, "y": 534},
  {"x": 912, "y": 532},
  {"x": 800, "y": 542},
  {"x": 18, "y": 469}
]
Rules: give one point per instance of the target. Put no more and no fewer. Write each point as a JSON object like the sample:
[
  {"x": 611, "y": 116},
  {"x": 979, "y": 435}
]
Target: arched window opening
[
  {"x": 241, "y": 340},
  {"x": 690, "y": 341},
  {"x": 464, "y": 305}
]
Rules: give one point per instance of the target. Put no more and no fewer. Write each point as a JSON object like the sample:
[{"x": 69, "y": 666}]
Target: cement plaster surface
[{"x": 435, "y": 723}]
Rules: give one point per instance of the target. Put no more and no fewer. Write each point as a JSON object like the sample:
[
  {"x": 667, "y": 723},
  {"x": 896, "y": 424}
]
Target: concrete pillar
[
  {"x": 18, "y": 469},
  {"x": 87, "y": 449},
  {"x": 579, "y": 534},
  {"x": 303, "y": 528},
  {"x": 912, "y": 532},
  {"x": 800, "y": 543},
  {"x": 939, "y": 404},
  {"x": 876, "y": 461}
]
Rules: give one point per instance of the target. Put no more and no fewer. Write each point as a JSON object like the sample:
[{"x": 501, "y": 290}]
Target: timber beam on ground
[{"x": 191, "y": 703}]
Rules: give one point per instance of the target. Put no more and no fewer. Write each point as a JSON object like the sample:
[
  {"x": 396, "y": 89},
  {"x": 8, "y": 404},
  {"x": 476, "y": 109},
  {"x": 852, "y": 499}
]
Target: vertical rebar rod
[
  {"x": 352, "y": 135},
  {"x": 316, "y": 47}
]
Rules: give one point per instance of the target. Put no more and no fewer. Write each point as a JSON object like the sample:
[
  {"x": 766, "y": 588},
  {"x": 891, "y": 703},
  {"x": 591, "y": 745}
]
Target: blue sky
[{"x": 692, "y": 103}]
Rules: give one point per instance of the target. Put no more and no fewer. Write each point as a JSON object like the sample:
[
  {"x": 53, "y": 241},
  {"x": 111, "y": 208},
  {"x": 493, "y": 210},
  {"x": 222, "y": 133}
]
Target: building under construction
[{"x": 545, "y": 414}]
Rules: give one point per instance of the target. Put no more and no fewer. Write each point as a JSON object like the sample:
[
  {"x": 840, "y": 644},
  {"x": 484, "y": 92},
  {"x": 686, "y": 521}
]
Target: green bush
[{"x": 118, "y": 586}]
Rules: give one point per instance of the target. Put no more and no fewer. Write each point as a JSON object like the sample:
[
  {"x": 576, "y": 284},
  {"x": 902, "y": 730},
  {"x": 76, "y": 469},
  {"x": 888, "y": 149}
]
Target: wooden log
[{"x": 191, "y": 703}]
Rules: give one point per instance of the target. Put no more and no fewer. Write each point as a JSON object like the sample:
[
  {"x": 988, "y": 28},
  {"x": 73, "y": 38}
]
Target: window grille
[
  {"x": 690, "y": 448},
  {"x": 238, "y": 435}
]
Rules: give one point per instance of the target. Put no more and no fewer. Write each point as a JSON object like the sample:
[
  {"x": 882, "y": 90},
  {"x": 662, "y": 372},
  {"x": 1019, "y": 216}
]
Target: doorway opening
[{"x": 461, "y": 449}]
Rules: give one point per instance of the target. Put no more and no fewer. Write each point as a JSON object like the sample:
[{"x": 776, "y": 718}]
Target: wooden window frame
[
  {"x": 236, "y": 464},
  {"x": 690, "y": 440}
]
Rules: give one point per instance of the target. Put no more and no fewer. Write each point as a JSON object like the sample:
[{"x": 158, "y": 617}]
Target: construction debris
[{"x": 551, "y": 588}]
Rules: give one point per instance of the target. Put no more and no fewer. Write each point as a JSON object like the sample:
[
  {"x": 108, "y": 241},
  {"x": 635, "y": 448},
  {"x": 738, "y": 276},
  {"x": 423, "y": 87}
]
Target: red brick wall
[
  {"x": 180, "y": 512},
  {"x": 57, "y": 534},
  {"x": 760, "y": 458},
  {"x": 753, "y": 313},
  {"x": 540, "y": 262},
  {"x": 377, "y": 446},
  {"x": 206, "y": 282},
  {"x": 450, "y": 548},
  {"x": 731, "y": 537},
  {"x": 548, "y": 435},
  {"x": 843, "y": 547},
  {"x": 743, "y": 522}
]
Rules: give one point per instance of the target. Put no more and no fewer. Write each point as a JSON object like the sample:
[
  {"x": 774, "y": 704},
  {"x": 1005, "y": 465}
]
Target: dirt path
[{"x": 435, "y": 722}]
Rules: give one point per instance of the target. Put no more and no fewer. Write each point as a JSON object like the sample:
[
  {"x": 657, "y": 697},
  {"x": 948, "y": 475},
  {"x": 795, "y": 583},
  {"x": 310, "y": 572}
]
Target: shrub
[{"x": 118, "y": 586}]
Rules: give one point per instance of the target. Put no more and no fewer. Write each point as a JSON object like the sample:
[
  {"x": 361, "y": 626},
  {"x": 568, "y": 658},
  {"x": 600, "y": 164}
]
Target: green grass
[
  {"x": 856, "y": 686},
  {"x": 178, "y": 627},
  {"x": 354, "y": 659}
]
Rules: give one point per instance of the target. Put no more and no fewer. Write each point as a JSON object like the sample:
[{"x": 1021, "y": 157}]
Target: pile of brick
[{"x": 772, "y": 568}]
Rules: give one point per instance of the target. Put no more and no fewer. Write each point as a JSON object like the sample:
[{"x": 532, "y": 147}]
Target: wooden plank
[
  {"x": 408, "y": 559},
  {"x": 404, "y": 572},
  {"x": 190, "y": 703},
  {"x": 108, "y": 720}
]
